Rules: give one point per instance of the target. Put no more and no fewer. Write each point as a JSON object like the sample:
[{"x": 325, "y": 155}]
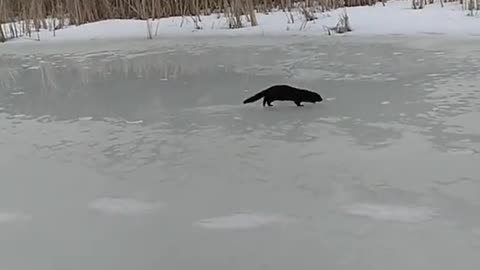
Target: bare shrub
[
  {"x": 309, "y": 14},
  {"x": 472, "y": 6},
  {"x": 3, "y": 38},
  {"x": 250, "y": 10},
  {"x": 233, "y": 14},
  {"x": 196, "y": 20},
  {"x": 149, "y": 29},
  {"x": 343, "y": 25}
]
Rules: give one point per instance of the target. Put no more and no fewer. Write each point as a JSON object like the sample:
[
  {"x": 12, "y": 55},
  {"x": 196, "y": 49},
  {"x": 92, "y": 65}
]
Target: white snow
[
  {"x": 240, "y": 221},
  {"x": 85, "y": 118},
  {"x": 134, "y": 122},
  {"x": 7, "y": 217},
  {"x": 17, "y": 93},
  {"x": 123, "y": 206},
  {"x": 387, "y": 212},
  {"x": 397, "y": 17},
  {"x": 467, "y": 123}
]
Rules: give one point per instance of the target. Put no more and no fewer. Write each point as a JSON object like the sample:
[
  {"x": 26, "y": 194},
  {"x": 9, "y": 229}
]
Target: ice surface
[{"x": 206, "y": 182}]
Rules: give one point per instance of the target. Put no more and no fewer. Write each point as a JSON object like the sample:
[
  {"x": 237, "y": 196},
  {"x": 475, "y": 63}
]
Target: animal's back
[
  {"x": 285, "y": 92},
  {"x": 281, "y": 88}
]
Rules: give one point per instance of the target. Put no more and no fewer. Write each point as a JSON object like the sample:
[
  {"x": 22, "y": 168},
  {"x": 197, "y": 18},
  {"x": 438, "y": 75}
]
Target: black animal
[{"x": 284, "y": 92}]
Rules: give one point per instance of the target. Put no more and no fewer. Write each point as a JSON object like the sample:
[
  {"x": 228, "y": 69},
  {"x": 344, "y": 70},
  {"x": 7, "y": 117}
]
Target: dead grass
[
  {"x": 29, "y": 16},
  {"x": 343, "y": 25},
  {"x": 238, "y": 12},
  {"x": 83, "y": 11},
  {"x": 420, "y": 4}
]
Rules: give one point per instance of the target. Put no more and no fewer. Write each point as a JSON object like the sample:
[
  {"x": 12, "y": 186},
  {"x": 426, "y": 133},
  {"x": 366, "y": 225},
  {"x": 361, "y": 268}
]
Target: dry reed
[
  {"x": 420, "y": 4},
  {"x": 38, "y": 13}
]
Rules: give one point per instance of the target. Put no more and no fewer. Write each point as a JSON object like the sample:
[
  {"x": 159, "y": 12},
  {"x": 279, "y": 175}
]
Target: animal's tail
[{"x": 255, "y": 97}]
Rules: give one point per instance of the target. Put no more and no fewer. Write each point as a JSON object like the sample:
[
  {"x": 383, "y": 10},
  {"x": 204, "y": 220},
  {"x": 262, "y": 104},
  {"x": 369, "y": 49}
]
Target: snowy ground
[
  {"x": 396, "y": 18},
  {"x": 145, "y": 158}
]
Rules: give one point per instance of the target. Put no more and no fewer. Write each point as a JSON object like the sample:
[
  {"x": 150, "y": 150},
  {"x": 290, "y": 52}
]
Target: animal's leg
[
  {"x": 267, "y": 102},
  {"x": 299, "y": 103}
]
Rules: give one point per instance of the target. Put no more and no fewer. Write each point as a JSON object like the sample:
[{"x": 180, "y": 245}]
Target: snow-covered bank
[{"x": 396, "y": 18}]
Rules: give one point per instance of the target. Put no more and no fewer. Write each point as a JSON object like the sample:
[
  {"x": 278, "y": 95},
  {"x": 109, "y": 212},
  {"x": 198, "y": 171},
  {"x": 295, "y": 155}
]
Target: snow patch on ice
[
  {"x": 461, "y": 151},
  {"x": 7, "y": 217},
  {"x": 19, "y": 93},
  {"x": 123, "y": 206},
  {"x": 134, "y": 122},
  {"x": 468, "y": 122},
  {"x": 386, "y": 212},
  {"x": 241, "y": 221}
]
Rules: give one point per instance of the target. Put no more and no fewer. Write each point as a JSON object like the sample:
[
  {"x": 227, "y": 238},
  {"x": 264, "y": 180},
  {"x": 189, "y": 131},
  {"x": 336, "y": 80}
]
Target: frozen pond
[{"x": 145, "y": 158}]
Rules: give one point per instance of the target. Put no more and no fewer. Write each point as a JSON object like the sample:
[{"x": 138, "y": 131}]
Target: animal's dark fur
[{"x": 284, "y": 92}]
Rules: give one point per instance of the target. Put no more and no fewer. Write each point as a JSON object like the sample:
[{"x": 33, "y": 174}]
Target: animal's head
[{"x": 317, "y": 98}]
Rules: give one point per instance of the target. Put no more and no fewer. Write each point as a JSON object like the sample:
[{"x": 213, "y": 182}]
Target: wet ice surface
[{"x": 146, "y": 158}]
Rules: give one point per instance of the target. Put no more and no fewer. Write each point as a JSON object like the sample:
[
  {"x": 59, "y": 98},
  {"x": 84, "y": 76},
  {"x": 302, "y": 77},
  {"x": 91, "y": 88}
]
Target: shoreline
[{"x": 450, "y": 44}]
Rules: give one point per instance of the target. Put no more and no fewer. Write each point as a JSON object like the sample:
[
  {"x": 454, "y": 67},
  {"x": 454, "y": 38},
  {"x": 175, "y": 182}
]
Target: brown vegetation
[
  {"x": 83, "y": 11},
  {"x": 78, "y": 12},
  {"x": 420, "y": 4}
]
